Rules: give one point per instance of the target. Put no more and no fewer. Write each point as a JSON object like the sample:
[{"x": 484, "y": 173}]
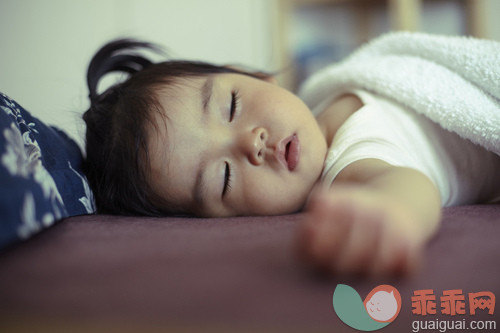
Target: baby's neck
[{"x": 333, "y": 116}]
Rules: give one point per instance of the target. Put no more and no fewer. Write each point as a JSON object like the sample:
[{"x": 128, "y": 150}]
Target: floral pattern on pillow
[{"x": 41, "y": 180}]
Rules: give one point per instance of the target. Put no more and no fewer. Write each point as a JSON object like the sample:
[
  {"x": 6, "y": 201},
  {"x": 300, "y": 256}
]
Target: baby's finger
[
  {"x": 324, "y": 233},
  {"x": 361, "y": 246},
  {"x": 396, "y": 255}
]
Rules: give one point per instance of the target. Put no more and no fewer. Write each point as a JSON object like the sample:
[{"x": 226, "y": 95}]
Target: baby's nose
[{"x": 254, "y": 145}]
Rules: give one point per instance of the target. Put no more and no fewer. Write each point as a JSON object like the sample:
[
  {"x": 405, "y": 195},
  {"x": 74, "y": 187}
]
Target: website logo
[{"x": 380, "y": 308}]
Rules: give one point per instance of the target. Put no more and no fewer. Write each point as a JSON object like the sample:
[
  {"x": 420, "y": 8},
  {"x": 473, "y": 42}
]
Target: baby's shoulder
[{"x": 337, "y": 112}]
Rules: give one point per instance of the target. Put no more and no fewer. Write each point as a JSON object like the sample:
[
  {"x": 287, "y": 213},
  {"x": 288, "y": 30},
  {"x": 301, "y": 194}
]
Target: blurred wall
[
  {"x": 46, "y": 44},
  {"x": 323, "y": 31}
]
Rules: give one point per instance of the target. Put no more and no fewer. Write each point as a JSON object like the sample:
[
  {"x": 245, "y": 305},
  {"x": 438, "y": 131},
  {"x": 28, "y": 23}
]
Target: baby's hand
[{"x": 356, "y": 229}]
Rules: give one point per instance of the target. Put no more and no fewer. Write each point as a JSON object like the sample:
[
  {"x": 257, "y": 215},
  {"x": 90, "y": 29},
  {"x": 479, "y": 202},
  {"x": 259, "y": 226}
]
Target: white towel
[{"x": 454, "y": 81}]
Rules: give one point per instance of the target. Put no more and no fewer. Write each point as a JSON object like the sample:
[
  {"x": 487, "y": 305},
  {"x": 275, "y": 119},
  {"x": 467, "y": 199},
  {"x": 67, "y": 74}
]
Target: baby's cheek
[{"x": 267, "y": 196}]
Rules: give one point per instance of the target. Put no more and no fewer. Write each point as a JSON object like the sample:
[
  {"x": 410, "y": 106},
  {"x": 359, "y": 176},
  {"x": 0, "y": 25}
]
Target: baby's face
[{"x": 230, "y": 144}]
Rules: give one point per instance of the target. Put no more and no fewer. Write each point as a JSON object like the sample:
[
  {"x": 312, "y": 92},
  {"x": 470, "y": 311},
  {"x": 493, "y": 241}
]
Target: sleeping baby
[{"x": 370, "y": 169}]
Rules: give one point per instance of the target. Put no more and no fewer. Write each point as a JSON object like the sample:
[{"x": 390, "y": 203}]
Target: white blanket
[{"x": 454, "y": 81}]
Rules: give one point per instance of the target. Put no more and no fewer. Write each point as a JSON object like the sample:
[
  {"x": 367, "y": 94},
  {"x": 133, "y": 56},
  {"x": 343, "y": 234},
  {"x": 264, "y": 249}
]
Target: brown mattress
[{"x": 111, "y": 273}]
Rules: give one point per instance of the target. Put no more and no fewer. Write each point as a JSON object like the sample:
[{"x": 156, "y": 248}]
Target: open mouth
[{"x": 290, "y": 152}]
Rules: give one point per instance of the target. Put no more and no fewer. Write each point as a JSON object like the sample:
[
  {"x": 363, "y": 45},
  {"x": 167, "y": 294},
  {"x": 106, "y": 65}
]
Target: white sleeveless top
[{"x": 463, "y": 172}]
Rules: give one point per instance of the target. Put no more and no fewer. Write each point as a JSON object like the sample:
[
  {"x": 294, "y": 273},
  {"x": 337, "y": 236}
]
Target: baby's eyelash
[
  {"x": 227, "y": 181},
  {"x": 235, "y": 99}
]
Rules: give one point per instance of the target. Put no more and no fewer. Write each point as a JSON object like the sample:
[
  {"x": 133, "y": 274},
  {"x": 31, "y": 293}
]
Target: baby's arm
[{"x": 375, "y": 218}]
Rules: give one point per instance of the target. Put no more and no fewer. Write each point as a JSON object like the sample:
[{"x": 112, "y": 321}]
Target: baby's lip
[{"x": 288, "y": 152}]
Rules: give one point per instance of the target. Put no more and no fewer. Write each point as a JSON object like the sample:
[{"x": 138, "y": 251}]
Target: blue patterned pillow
[{"x": 40, "y": 175}]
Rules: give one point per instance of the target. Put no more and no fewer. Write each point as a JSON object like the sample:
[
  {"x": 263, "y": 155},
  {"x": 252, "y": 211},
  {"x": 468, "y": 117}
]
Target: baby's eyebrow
[
  {"x": 199, "y": 192},
  {"x": 200, "y": 185},
  {"x": 206, "y": 93}
]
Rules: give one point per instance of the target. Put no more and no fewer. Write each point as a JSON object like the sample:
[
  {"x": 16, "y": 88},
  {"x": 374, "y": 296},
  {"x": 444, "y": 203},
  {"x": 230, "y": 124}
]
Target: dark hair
[{"x": 117, "y": 161}]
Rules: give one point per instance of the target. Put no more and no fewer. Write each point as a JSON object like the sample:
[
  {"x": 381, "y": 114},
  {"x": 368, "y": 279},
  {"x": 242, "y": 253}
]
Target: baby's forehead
[
  {"x": 181, "y": 90},
  {"x": 177, "y": 107}
]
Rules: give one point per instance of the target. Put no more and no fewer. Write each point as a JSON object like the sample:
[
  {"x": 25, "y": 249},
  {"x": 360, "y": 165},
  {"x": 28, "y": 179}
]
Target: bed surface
[{"x": 105, "y": 273}]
